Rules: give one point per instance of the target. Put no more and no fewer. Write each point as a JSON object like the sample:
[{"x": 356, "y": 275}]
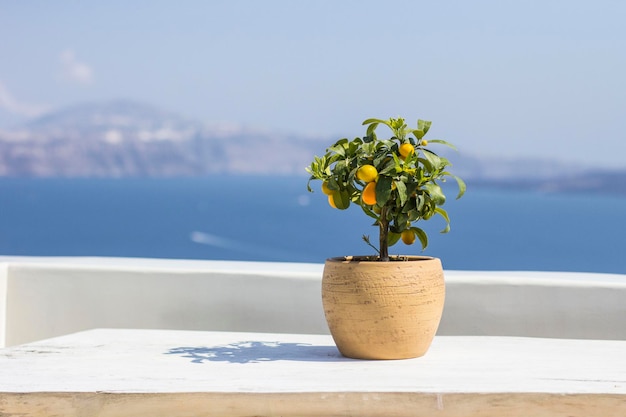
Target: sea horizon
[{"x": 274, "y": 219}]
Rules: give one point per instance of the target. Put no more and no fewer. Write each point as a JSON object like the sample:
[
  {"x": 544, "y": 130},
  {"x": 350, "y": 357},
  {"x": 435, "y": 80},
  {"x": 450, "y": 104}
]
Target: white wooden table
[{"x": 156, "y": 373}]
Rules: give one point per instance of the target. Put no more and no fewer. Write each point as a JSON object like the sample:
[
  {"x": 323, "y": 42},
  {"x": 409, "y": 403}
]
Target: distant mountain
[
  {"x": 123, "y": 138},
  {"x": 129, "y": 139}
]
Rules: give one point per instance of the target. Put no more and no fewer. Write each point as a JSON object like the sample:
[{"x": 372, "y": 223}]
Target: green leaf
[
  {"x": 333, "y": 184},
  {"x": 379, "y": 161},
  {"x": 308, "y": 184},
  {"x": 419, "y": 133},
  {"x": 370, "y": 137},
  {"x": 369, "y": 211},
  {"x": 435, "y": 192},
  {"x": 428, "y": 166},
  {"x": 370, "y": 121},
  {"x": 371, "y": 128},
  {"x": 422, "y": 236},
  {"x": 410, "y": 205},
  {"x": 355, "y": 143},
  {"x": 397, "y": 163},
  {"x": 383, "y": 190},
  {"x": 443, "y": 142},
  {"x": 420, "y": 201},
  {"x": 338, "y": 148},
  {"x": 414, "y": 215},
  {"x": 411, "y": 187},
  {"x": 341, "y": 199},
  {"x": 393, "y": 238},
  {"x": 462, "y": 186},
  {"x": 444, "y": 214},
  {"x": 424, "y": 125},
  {"x": 401, "y": 221},
  {"x": 445, "y": 162},
  {"x": 401, "y": 187},
  {"x": 434, "y": 160},
  {"x": 389, "y": 169}
]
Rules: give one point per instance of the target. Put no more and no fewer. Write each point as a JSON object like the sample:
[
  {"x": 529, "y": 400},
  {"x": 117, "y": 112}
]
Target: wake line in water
[
  {"x": 213, "y": 240},
  {"x": 219, "y": 242}
]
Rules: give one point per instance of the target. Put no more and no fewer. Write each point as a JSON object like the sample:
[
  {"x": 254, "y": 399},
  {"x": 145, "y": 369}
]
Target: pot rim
[{"x": 368, "y": 258}]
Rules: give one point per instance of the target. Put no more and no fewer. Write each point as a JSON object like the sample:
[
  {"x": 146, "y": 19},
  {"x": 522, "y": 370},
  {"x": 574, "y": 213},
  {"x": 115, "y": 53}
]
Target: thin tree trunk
[{"x": 383, "y": 223}]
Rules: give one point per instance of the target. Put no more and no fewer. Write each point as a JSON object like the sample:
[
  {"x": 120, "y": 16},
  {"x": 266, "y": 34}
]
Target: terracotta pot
[{"x": 383, "y": 310}]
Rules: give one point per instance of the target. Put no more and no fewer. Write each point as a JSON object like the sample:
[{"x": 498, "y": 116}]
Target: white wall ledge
[{"x": 43, "y": 297}]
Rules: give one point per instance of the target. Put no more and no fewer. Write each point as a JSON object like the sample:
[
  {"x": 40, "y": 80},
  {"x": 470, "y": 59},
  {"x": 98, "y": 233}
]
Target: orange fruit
[
  {"x": 369, "y": 194},
  {"x": 406, "y": 149},
  {"x": 325, "y": 188},
  {"x": 408, "y": 237},
  {"x": 331, "y": 202},
  {"x": 424, "y": 142},
  {"x": 367, "y": 173}
]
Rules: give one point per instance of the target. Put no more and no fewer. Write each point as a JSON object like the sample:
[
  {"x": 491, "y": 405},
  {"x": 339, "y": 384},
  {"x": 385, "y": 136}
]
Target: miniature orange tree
[{"x": 395, "y": 181}]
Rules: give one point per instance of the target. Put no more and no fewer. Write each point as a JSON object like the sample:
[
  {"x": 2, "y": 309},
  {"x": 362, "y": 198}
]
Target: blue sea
[{"x": 269, "y": 218}]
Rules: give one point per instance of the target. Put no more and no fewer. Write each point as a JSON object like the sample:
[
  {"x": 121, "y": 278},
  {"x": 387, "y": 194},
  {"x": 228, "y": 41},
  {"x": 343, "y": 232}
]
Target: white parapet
[
  {"x": 48, "y": 297},
  {"x": 566, "y": 305},
  {"x": 3, "y": 303},
  {"x": 56, "y": 296}
]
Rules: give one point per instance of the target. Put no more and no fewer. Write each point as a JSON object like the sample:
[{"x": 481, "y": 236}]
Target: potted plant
[{"x": 382, "y": 306}]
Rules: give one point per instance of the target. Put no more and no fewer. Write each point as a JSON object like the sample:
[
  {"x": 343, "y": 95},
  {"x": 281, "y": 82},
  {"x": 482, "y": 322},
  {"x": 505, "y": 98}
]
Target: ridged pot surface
[{"x": 383, "y": 310}]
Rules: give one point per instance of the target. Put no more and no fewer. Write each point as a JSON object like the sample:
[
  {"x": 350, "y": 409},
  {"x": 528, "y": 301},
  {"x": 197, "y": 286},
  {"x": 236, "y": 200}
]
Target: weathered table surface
[{"x": 154, "y": 373}]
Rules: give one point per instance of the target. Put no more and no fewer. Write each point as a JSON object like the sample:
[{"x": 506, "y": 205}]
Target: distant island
[
  {"x": 119, "y": 139},
  {"x": 128, "y": 139}
]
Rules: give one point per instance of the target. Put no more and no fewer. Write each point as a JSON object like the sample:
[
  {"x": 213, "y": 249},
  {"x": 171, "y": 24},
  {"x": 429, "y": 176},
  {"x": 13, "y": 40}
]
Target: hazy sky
[{"x": 525, "y": 78}]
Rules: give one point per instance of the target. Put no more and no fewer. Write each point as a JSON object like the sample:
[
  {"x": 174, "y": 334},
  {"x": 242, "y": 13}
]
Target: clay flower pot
[{"x": 383, "y": 310}]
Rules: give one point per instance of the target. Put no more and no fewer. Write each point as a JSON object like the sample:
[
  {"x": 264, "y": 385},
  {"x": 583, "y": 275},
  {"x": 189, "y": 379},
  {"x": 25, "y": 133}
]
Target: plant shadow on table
[{"x": 254, "y": 352}]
